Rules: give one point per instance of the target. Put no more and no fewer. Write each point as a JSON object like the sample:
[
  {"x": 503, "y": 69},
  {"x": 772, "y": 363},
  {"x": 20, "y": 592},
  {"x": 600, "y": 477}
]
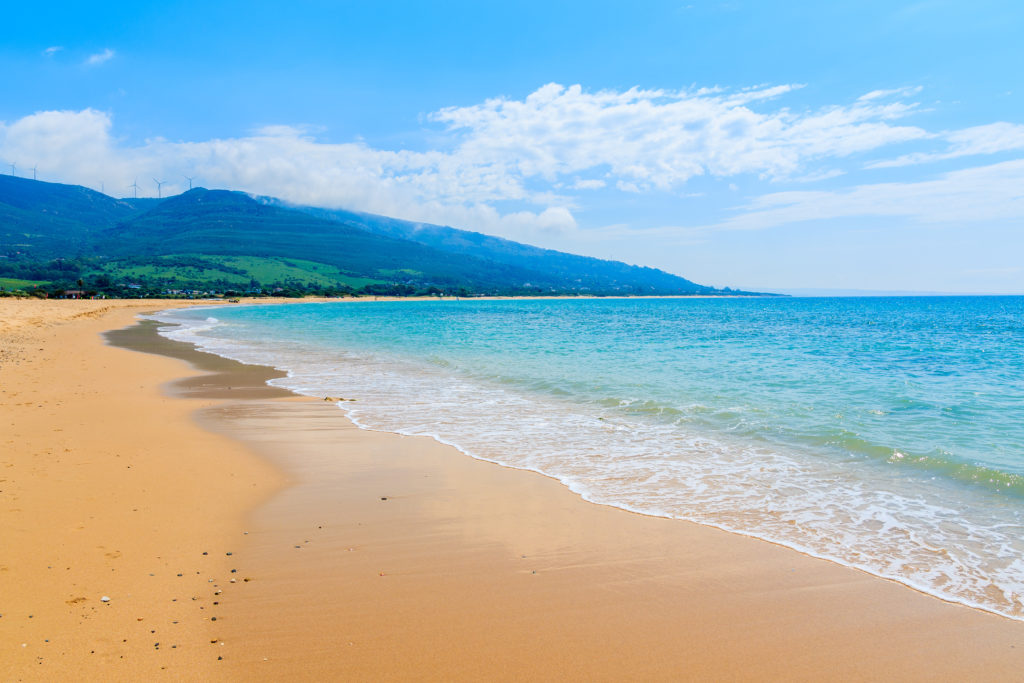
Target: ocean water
[{"x": 885, "y": 434}]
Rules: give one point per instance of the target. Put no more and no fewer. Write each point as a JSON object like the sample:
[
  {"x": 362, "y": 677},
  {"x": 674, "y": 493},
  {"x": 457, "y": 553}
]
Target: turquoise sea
[{"x": 882, "y": 433}]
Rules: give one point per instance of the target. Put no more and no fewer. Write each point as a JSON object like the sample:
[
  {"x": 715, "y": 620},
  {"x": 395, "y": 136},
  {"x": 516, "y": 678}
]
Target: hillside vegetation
[{"x": 201, "y": 241}]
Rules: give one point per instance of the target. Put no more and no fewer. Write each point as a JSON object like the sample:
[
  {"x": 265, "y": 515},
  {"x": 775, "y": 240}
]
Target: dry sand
[
  {"x": 376, "y": 556},
  {"x": 108, "y": 488}
]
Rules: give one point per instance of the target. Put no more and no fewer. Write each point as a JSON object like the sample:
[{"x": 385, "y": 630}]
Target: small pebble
[{"x": 105, "y": 599}]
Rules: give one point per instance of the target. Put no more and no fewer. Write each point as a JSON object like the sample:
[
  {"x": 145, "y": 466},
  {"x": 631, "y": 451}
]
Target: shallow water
[{"x": 882, "y": 433}]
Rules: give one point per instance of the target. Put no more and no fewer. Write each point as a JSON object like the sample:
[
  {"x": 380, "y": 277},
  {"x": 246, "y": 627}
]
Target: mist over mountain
[
  {"x": 584, "y": 271},
  {"x": 229, "y": 238}
]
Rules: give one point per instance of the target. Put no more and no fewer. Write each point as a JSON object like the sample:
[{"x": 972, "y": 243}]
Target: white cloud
[
  {"x": 78, "y": 147},
  {"x": 74, "y": 145},
  {"x": 100, "y": 57},
  {"x": 816, "y": 176},
  {"x": 52, "y": 50},
  {"x": 528, "y": 154},
  {"x": 988, "y": 139},
  {"x": 895, "y": 92},
  {"x": 969, "y": 196},
  {"x": 659, "y": 139}
]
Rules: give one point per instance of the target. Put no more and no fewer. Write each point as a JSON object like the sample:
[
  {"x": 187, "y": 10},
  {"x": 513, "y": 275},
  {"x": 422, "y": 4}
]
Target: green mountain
[
  {"x": 586, "y": 273},
  {"x": 220, "y": 240},
  {"x": 219, "y": 222},
  {"x": 48, "y": 220}
]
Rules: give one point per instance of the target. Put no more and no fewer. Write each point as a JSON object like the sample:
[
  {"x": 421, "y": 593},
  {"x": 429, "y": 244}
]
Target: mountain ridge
[
  {"x": 214, "y": 236},
  {"x": 500, "y": 249}
]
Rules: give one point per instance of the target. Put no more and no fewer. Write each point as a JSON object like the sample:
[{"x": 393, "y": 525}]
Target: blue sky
[{"x": 765, "y": 145}]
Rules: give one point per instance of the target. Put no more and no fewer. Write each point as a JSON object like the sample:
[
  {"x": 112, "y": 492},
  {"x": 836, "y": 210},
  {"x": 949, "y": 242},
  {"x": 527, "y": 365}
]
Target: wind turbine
[
  {"x": 34, "y": 171},
  {"x": 135, "y": 186},
  {"x": 14, "y": 167},
  {"x": 159, "y": 184},
  {"x": 190, "y": 179}
]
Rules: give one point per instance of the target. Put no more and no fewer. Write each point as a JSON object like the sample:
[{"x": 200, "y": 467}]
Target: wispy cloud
[
  {"x": 100, "y": 57},
  {"x": 659, "y": 139},
  {"x": 909, "y": 91},
  {"x": 968, "y": 196},
  {"x": 544, "y": 153},
  {"x": 817, "y": 176},
  {"x": 988, "y": 139},
  {"x": 52, "y": 50}
]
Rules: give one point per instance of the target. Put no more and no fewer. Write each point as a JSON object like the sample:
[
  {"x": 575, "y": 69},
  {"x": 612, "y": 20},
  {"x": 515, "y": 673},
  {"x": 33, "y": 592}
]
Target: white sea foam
[{"x": 927, "y": 537}]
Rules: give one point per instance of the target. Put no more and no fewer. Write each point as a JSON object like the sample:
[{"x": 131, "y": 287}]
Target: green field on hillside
[
  {"x": 11, "y": 283},
  {"x": 198, "y": 269}
]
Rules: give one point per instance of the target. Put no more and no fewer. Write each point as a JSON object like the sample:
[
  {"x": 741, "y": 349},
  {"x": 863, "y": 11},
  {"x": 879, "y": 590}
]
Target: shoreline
[
  {"x": 377, "y": 555},
  {"x": 294, "y": 519},
  {"x": 878, "y": 565}
]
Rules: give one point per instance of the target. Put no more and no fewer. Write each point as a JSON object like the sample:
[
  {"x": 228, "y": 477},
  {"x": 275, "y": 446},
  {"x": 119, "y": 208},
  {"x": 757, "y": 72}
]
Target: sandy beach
[{"x": 241, "y": 533}]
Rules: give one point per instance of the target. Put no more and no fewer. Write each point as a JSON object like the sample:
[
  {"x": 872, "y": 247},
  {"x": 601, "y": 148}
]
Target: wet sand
[{"x": 375, "y": 556}]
